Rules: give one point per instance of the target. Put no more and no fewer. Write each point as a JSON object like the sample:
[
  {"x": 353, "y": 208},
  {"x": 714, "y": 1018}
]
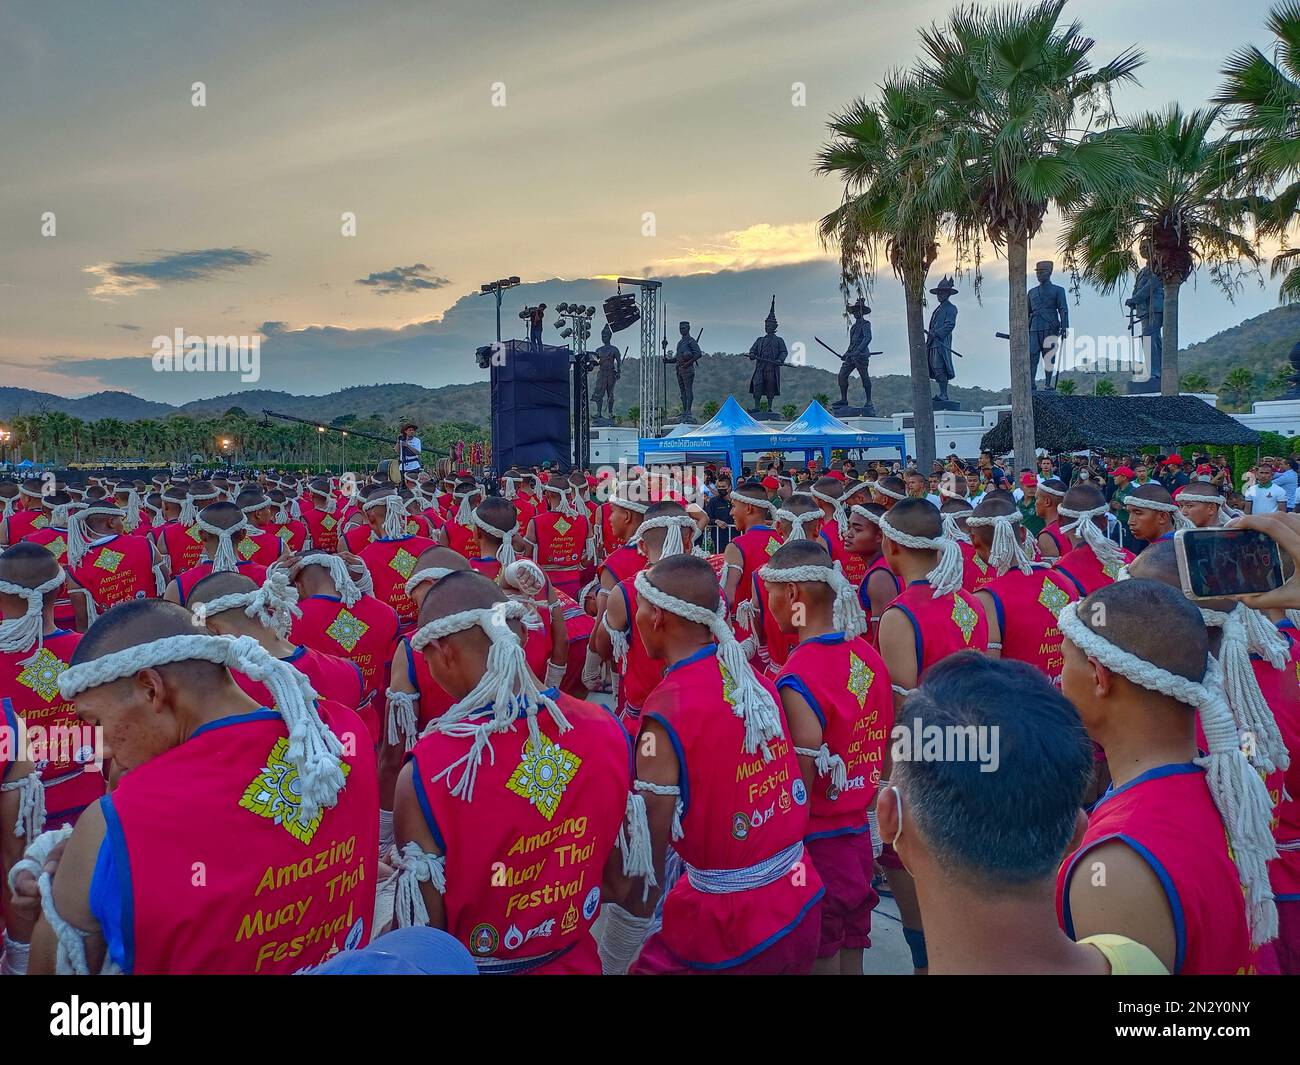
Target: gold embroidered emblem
[
  {"x": 40, "y": 522},
  {"x": 728, "y": 684},
  {"x": 860, "y": 677},
  {"x": 980, "y": 564},
  {"x": 347, "y": 629},
  {"x": 58, "y": 547},
  {"x": 194, "y": 534},
  {"x": 773, "y": 545},
  {"x": 542, "y": 775},
  {"x": 41, "y": 674},
  {"x": 563, "y": 525},
  {"x": 1111, "y": 569},
  {"x": 276, "y": 794},
  {"x": 1052, "y": 597},
  {"x": 246, "y": 549},
  {"x": 109, "y": 559},
  {"x": 327, "y": 522},
  {"x": 403, "y": 562},
  {"x": 964, "y": 617},
  {"x": 285, "y": 533}
]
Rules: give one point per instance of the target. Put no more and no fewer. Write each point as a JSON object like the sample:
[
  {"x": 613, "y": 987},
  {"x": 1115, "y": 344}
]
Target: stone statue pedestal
[
  {"x": 841, "y": 410},
  {"x": 601, "y": 423},
  {"x": 1144, "y": 388},
  {"x": 681, "y": 419},
  {"x": 945, "y": 404},
  {"x": 768, "y": 416}
]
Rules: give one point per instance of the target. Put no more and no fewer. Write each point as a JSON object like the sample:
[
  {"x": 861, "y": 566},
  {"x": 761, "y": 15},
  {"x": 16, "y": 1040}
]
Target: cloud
[
  {"x": 129, "y": 278},
  {"x": 128, "y": 327},
  {"x": 753, "y": 247},
  {"x": 417, "y": 278}
]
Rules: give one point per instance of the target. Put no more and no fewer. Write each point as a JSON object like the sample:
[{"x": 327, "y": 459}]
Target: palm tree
[
  {"x": 1195, "y": 382},
  {"x": 876, "y": 149},
  {"x": 1179, "y": 203},
  {"x": 1262, "y": 95},
  {"x": 1065, "y": 386},
  {"x": 1104, "y": 387},
  {"x": 1238, "y": 386},
  {"x": 1016, "y": 100}
]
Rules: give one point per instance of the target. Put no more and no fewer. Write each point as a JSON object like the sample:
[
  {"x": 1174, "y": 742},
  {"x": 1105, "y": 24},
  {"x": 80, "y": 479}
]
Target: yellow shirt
[{"x": 1127, "y": 957}]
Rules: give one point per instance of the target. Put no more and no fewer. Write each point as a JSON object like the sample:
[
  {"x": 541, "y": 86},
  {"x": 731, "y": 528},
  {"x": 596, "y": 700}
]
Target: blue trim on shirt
[
  {"x": 702, "y": 653},
  {"x": 627, "y": 608},
  {"x": 1073, "y": 580},
  {"x": 1172, "y": 770},
  {"x": 760, "y": 947},
  {"x": 683, "y": 781},
  {"x": 916, "y": 633},
  {"x": 796, "y": 684},
  {"x": 116, "y": 838},
  {"x": 410, "y": 664},
  {"x": 997, "y": 609},
  {"x": 426, "y": 807},
  {"x": 261, "y": 714},
  {"x": 825, "y": 637}
]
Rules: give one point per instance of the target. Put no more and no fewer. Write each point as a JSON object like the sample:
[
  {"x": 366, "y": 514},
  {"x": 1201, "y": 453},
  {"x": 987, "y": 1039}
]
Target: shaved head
[
  {"x": 916, "y": 517},
  {"x": 219, "y": 584},
  {"x": 134, "y": 622},
  {"x": 688, "y": 578},
  {"x": 997, "y": 506},
  {"x": 440, "y": 558},
  {"x": 497, "y": 512},
  {"x": 1153, "y": 621},
  {"x": 1157, "y": 493},
  {"x": 222, "y": 515},
  {"x": 29, "y": 565}
]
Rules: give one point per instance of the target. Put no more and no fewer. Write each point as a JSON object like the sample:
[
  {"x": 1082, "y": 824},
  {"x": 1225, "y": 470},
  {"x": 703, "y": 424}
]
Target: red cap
[
  {"x": 1029, "y": 480},
  {"x": 591, "y": 481},
  {"x": 1203, "y": 468},
  {"x": 1175, "y": 460},
  {"x": 771, "y": 483},
  {"x": 1122, "y": 471},
  {"x": 837, "y": 474}
]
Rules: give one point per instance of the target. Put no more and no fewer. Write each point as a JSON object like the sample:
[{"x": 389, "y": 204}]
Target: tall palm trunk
[
  {"x": 1022, "y": 385},
  {"x": 1169, "y": 338},
  {"x": 922, "y": 403}
]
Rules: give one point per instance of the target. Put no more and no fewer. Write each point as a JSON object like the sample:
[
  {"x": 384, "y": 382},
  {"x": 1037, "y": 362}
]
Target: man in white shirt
[
  {"x": 1285, "y": 478},
  {"x": 1264, "y": 497},
  {"x": 410, "y": 456}
]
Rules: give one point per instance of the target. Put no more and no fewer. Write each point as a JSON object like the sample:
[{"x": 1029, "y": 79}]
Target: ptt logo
[{"x": 757, "y": 818}]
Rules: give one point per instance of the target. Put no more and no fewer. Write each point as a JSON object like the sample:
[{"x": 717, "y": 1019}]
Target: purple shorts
[
  {"x": 1287, "y": 944},
  {"x": 846, "y": 868},
  {"x": 791, "y": 955}
]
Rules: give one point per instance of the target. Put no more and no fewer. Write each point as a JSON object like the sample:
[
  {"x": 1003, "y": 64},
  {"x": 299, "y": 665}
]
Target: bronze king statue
[
  {"x": 768, "y": 353},
  {"x": 938, "y": 339},
  {"x": 1049, "y": 319},
  {"x": 1147, "y": 310},
  {"x": 857, "y": 356},
  {"x": 687, "y": 355},
  {"x": 608, "y": 364}
]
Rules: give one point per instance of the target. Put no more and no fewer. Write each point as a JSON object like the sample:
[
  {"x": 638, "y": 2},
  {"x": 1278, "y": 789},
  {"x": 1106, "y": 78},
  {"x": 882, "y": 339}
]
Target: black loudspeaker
[{"x": 530, "y": 406}]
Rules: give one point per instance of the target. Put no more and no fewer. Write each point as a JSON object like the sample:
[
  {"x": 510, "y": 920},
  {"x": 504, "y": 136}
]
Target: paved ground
[{"x": 888, "y": 955}]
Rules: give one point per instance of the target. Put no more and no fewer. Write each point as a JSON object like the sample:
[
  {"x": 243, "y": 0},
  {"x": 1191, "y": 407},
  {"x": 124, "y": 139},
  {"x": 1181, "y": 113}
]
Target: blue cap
[{"x": 420, "y": 951}]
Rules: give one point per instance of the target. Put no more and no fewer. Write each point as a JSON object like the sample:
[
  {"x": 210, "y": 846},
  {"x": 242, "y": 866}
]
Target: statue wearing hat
[
  {"x": 687, "y": 355},
  {"x": 768, "y": 353},
  {"x": 1147, "y": 310},
  {"x": 607, "y": 362},
  {"x": 938, "y": 338},
  {"x": 857, "y": 356},
  {"x": 1049, "y": 318}
]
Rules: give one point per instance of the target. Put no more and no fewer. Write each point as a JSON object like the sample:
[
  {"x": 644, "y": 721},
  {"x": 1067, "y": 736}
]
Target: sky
[{"x": 567, "y": 143}]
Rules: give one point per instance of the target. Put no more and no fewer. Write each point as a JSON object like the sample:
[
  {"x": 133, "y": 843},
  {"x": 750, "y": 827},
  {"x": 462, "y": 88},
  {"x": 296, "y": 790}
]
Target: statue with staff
[
  {"x": 607, "y": 361},
  {"x": 768, "y": 352},
  {"x": 857, "y": 356},
  {"x": 684, "y": 359}
]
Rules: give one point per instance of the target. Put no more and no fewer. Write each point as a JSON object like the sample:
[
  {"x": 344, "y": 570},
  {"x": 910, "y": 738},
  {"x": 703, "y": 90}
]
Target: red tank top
[
  {"x": 941, "y": 626},
  {"x": 56, "y": 542},
  {"x": 292, "y": 534},
  {"x": 1026, "y": 606},
  {"x": 117, "y": 570},
  {"x": 639, "y": 672},
  {"x": 336, "y": 680},
  {"x": 846, "y": 684},
  {"x": 356, "y": 537},
  {"x": 1053, "y": 530},
  {"x": 434, "y": 700},
  {"x": 624, "y": 563},
  {"x": 186, "y": 581},
  {"x": 1167, "y": 816},
  {"x": 278, "y": 895},
  {"x": 525, "y": 858},
  {"x": 183, "y": 545},
  {"x": 324, "y": 528},
  {"x": 778, "y": 643},
  {"x": 1281, "y": 690},
  {"x": 390, "y": 563},
  {"x": 561, "y": 540},
  {"x": 489, "y": 567},
  {"x": 854, "y": 567},
  {"x": 739, "y": 811},
  {"x": 1085, "y": 572},
  {"x": 460, "y": 538},
  {"x": 878, "y": 565},
  {"x": 976, "y": 574},
  {"x": 363, "y": 633},
  {"x": 22, "y": 523},
  {"x": 66, "y": 762},
  {"x": 260, "y": 547},
  {"x": 755, "y": 546}
]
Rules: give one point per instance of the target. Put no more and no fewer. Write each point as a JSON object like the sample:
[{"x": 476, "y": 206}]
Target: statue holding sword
[
  {"x": 857, "y": 356},
  {"x": 687, "y": 355},
  {"x": 938, "y": 338}
]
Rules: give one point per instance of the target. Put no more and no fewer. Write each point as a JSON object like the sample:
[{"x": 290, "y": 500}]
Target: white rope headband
[
  {"x": 7, "y": 505},
  {"x": 837, "y": 505},
  {"x": 132, "y": 505},
  {"x": 796, "y": 522},
  {"x": 225, "y": 560},
  {"x": 506, "y": 552},
  {"x": 1237, "y": 789},
  {"x": 950, "y": 527},
  {"x": 327, "y": 494},
  {"x": 946, "y": 576},
  {"x": 274, "y": 604},
  {"x": 506, "y": 688},
  {"x": 1006, "y": 550},
  {"x": 78, "y": 544},
  {"x": 465, "y": 512},
  {"x": 189, "y": 515},
  {"x": 348, "y": 589},
  {"x": 1226, "y": 513},
  {"x": 676, "y": 538},
  {"x": 1107, "y": 552},
  {"x": 863, "y": 512},
  {"x": 1181, "y": 520},
  {"x": 1059, "y": 493},
  {"x": 433, "y": 573},
  {"x": 752, "y": 702},
  {"x": 568, "y": 506},
  {"x": 763, "y": 503},
  {"x": 628, "y": 504},
  {"x": 30, "y": 493},
  {"x": 1246, "y": 632},
  {"x": 847, "y": 614},
  {"x": 18, "y": 635},
  {"x": 313, "y": 749},
  {"x": 889, "y": 493},
  {"x": 395, "y": 514},
  {"x": 508, "y": 489}
]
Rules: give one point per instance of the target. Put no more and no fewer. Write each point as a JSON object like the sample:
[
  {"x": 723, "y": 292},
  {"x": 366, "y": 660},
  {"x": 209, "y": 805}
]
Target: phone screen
[{"x": 1222, "y": 562}]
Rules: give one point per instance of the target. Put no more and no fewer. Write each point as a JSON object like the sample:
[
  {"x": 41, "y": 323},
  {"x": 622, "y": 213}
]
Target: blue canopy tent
[{"x": 732, "y": 433}]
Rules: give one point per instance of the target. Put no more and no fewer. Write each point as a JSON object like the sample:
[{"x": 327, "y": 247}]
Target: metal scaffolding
[{"x": 651, "y": 392}]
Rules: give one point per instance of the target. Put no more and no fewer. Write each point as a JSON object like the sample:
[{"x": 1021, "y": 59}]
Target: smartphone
[{"x": 1214, "y": 563}]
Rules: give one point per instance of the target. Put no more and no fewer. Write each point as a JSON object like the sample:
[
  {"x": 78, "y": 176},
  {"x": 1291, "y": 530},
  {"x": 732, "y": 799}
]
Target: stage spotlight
[
  {"x": 563, "y": 308},
  {"x": 566, "y": 333},
  {"x": 621, "y": 311}
]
